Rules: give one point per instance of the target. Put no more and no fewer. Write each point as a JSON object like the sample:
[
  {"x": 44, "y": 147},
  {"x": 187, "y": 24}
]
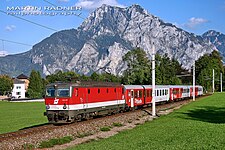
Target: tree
[
  {"x": 6, "y": 84},
  {"x": 35, "y": 88},
  {"x": 166, "y": 70},
  {"x": 62, "y": 76},
  {"x": 138, "y": 71},
  {"x": 205, "y": 65},
  {"x": 104, "y": 77}
]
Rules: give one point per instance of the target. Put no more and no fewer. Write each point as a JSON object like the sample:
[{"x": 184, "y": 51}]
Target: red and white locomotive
[{"x": 68, "y": 102}]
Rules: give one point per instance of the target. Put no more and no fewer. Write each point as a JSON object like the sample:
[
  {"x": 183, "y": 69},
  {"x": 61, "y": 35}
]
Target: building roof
[
  {"x": 22, "y": 76},
  {"x": 16, "y": 81}
]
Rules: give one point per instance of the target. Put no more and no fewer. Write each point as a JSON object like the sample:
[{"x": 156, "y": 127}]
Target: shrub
[
  {"x": 116, "y": 124},
  {"x": 105, "y": 128},
  {"x": 58, "y": 141}
]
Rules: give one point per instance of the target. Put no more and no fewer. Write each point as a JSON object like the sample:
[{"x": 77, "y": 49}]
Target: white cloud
[
  {"x": 93, "y": 4},
  {"x": 10, "y": 28},
  {"x": 3, "y": 53},
  {"x": 194, "y": 22}
]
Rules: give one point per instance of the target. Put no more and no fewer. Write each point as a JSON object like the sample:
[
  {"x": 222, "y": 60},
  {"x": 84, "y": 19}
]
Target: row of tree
[{"x": 138, "y": 72}]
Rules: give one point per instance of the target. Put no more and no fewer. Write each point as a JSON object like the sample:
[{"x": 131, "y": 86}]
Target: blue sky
[{"x": 196, "y": 16}]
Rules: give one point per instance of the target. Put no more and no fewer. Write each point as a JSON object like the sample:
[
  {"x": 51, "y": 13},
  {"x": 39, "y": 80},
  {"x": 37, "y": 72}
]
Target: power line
[
  {"x": 28, "y": 21},
  {"x": 14, "y": 42}
]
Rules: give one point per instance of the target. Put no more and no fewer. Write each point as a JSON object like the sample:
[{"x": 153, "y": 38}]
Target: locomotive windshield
[
  {"x": 63, "y": 92},
  {"x": 57, "y": 92},
  {"x": 50, "y": 92}
]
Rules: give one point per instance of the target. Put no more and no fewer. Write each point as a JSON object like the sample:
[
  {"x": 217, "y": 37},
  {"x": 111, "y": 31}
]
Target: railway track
[{"x": 34, "y": 135}]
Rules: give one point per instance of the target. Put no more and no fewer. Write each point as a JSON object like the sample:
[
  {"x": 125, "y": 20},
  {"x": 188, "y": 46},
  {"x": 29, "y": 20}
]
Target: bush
[
  {"x": 106, "y": 128},
  {"x": 117, "y": 124},
  {"x": 58, "y": 141}
]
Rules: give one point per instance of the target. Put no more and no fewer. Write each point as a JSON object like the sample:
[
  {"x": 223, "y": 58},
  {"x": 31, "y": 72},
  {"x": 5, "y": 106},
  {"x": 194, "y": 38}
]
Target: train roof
[{"x": 85, "y": 84}]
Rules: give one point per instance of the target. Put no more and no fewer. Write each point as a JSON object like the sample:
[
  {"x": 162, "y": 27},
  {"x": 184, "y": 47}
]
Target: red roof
[{"x": 22, "y": 76}]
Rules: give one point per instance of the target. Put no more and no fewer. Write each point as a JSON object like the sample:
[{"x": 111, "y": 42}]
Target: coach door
[
  {"x": 83, "y": 92},
  {"x": 132, "y": 98}
]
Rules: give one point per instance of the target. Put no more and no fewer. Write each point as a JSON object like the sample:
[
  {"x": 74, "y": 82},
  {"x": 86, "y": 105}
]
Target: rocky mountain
[
  {"x": 101, "y": 41},
  {"x": 217, "y": 39}
]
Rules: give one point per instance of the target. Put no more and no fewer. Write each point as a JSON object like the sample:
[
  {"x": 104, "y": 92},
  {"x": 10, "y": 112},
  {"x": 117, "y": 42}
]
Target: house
[
  {"x": 24, "y": 78},
  {"x": 18, "y": 89},
  {"x": 20, "y": 86}
]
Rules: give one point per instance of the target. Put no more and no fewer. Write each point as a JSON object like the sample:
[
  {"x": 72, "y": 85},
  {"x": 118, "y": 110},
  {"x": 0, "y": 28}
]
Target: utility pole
[
  {"x": 153, "y": 80},
  {"x": 193, "y": 81},
  {"x": 213, "y": 82},
  {"x": 221, "y": 82}
]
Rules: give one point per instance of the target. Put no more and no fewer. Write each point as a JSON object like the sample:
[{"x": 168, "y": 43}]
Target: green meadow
[
  {"x": 198, "y": 125},
  {"x": 18, "y": 115}
]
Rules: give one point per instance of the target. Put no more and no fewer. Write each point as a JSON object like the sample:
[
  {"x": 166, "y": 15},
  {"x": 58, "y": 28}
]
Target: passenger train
[{"x": 70, "y": 102}]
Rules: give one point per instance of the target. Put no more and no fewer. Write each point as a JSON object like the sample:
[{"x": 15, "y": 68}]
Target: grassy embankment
[
  {"x": 199, "y": 125},
  {"x": 19, "y": 115}
]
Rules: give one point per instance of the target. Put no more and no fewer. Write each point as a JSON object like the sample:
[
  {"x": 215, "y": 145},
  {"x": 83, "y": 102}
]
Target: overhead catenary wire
[
  {"x": 38, "y": 24},
  {"x": 3, "y": 47},
  {"x": 10, "y": 41}
]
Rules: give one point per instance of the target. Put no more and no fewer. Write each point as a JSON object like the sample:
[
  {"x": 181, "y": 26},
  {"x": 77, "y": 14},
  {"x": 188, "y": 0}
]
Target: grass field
[
  {"x": 18, "y": 115},
  {"x": 199, "y": 125}
]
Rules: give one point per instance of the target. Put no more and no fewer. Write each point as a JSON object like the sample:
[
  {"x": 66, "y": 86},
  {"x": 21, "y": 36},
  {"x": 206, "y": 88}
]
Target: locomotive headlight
[
  {"x": 64, "y": 106},
  {"x": 47, "y": 106}
]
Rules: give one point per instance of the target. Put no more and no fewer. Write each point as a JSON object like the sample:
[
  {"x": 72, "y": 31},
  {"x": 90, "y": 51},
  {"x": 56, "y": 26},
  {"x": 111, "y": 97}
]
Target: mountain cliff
[
  {"x": 99, "y": 43},
  {"x": 217, "y": 39}
]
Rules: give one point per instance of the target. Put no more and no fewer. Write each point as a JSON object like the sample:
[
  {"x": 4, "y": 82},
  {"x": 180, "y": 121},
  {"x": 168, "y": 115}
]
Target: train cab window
[
  {"x": 98, "y": 90},
  {"x": 89, "y": 91}
]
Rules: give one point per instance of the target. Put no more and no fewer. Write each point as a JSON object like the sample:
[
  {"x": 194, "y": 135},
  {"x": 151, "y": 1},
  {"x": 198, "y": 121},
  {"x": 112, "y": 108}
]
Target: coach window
[
  {"x": 115, "y": 90},
  {"x": 122, "y": 91},
  {"x": 148, "y": 93},
  {"x": 98, "y": 91},
  {"x": 174, "y": 91},
  {"x": 135, "y": 94},
  {"x": 89, "y": 91},
  {"x": 163, "y": 92},
  {"x": 107, "y": 90},
  {"x": 140, "y": 94}
]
